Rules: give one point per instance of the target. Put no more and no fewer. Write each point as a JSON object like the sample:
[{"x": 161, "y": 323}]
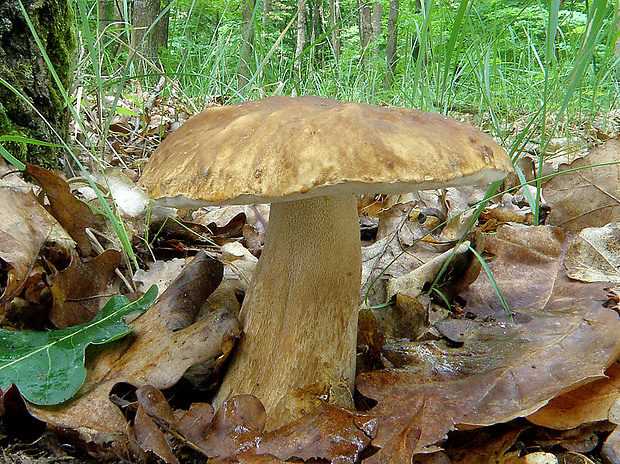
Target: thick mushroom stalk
[{"x": 300, "y": 314}]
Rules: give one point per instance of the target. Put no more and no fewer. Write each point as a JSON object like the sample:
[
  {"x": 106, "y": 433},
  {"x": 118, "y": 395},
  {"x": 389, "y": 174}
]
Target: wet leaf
[
  {"x": 561, "y": 337},
  {"x": 328, "y": 432},
  {"x": 48, "y": 367}
]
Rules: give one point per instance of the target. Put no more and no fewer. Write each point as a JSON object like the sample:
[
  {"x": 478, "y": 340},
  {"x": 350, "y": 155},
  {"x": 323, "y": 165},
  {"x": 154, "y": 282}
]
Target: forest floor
[{"x": 465, "y": 383}]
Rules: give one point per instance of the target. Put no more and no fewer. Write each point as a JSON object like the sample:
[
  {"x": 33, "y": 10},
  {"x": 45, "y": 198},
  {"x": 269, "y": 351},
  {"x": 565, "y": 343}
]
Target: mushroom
[{"x": 309, "y": 157}]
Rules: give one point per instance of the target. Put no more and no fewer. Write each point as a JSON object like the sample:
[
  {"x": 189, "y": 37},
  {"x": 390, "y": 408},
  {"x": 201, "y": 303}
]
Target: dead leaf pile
[
  {"x": 514, "y": 361},
  {"x": 54, "y": 272}
]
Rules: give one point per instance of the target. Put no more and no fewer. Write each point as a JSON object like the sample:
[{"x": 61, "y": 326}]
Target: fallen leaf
[
  {"x": 590, "y": 403},
  {"x": 235, "y": 428},
  {"x": 588, "y": 197},
  {"x": 78, "y": 289},
  {"x": 71, "y": 213},
  {"x": 160, "y": 273},
  {"x": 153, "y": 407},
  {"x": 221, "y": 220},
  {"x": 595, "y": 255},
  {"x": 485, "y": 447},
  {"x": 151, "y": 439},
  {"x": 165, "y": 342},
  {"x": 25, "y": 228},
  {"x": 561, "y": 337},
  {"x": 328, "y": 432}
]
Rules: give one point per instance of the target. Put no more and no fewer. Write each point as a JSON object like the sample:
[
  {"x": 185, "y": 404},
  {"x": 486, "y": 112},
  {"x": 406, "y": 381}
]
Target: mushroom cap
[{"x": 283, "y": 149}]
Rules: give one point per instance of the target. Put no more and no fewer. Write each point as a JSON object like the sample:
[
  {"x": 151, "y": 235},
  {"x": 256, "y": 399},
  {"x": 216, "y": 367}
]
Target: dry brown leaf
[
  {"x": 165, "y": 343},
  {"x": 485, "y": 448},
  {"x": 160, "y": 273},
  {"x": 595, "y": 255},
  {"x": 150, "y": 438},
  {"x": 611, "y": 448},
  {"x": 561, "y": 337},
  {"x": 590, "y": 403},
  {"x": 25, "y": 227},
  {"x": 328, "y": 432},
  {"x": 193, "y": 423},
  {"x": 235, "y": 428},
  {"x": 79, "y": 289},
  {"x": 153, "y": 411},
  {"x": 589, "y": 197},
  {"x": 71, "y": 213},
  {"x": 236, "y": 431},
  {"x": 155, "y": 404},
  {"x": 221, "y": 219}
]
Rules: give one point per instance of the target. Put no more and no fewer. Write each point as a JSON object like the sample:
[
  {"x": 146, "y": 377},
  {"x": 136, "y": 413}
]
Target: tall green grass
[{"x": 500, "y": 60}]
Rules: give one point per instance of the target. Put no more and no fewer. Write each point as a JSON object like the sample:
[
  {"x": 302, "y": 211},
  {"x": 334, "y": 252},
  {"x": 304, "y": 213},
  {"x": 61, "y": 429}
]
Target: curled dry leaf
[
  {"x": 25, "y": 227},
  {"x": 561, "y": 337},
  {"x": 71, "y": 213},
  {"x": 150, "y": 438},
  {"x": 595, "y": 255},
  {"x": 152, "y": 410},
  {"x": 78, "y": 290},
  {"x": 166, "y": 341}
]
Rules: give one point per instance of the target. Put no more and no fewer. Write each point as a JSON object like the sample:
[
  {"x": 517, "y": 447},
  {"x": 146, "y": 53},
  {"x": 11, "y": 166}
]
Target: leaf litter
[{"x": 469, "y": 368}]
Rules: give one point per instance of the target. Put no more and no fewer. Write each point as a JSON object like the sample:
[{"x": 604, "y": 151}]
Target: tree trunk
[
  {"x": 22, "y": 65},
  {"x": 266, "y": 14},
  {"x": 106, "y": 13},
  {"x": 364, "y": 19},
  {"x": 415, "y": 46},
  {"x": 391, "y": 57},
  {"x": 146, "y": 46},
  {"x": 105, "y": 10},
  {"x": 377, "y": 13},
  {"x": 247, "y": 46},
  {"x": 160, "y": 30},
  {"x": 301, "y": 36},
  {"x": 334, "y": 25}
]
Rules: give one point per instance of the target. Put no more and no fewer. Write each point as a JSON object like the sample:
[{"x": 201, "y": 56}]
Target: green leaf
[
  {"x": 126, "y": 111},
  {"x": 48, "y": 367}
]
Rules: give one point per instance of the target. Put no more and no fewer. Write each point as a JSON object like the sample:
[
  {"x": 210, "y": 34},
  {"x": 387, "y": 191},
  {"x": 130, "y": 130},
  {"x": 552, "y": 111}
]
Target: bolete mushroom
[{"x": 308, "y": 157}]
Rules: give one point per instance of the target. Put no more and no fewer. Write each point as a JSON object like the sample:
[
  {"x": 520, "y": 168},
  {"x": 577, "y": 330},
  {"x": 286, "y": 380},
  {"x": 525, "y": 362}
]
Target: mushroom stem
[{"x": 300, "y": 313}]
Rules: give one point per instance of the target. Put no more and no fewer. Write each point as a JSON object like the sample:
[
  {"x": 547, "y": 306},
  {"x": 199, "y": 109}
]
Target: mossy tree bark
[{"x": 35, "y": 98}]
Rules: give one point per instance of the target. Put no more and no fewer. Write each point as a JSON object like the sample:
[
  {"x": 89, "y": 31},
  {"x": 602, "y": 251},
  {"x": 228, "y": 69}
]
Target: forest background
[
  {"x": 501, "y": 59},
  {"x": 523, "y": 71}
]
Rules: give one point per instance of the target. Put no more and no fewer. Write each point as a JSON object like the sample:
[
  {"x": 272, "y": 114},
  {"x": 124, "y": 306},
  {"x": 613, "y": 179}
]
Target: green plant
[{"x": 48, "y": 367}]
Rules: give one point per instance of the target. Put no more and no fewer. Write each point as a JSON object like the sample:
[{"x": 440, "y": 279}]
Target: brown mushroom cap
[{"x": 282, "y": 149}]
